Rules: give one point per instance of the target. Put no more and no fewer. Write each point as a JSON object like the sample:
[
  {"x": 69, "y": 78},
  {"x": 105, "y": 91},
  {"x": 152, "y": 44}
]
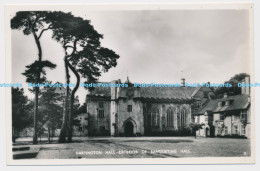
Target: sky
[{"x": 159, "y": 46}]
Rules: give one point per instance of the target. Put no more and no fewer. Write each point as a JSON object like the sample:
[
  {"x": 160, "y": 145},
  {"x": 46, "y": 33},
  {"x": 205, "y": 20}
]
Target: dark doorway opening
[
  {"x": 207, "y": 132},
  {"x": 129, "y": 129}
]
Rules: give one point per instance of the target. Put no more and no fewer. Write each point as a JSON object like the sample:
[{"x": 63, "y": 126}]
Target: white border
[{"x": 197, "y": 160}]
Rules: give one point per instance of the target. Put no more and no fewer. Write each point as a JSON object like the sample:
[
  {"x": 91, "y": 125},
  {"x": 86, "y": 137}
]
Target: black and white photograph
[{"x": 147, "y": 84}]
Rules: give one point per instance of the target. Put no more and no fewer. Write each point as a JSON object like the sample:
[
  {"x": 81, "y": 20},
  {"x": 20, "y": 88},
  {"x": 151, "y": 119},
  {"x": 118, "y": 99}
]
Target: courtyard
[{"x": 132, "y": 147}]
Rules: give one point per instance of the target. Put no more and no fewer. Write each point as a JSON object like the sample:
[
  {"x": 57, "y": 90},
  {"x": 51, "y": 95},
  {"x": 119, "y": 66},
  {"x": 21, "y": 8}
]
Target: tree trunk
[
  {"x": 13, "y": 135},
  {"x": 49, "y": 135},
  {"x": 36, "y": 89},
  {"x": 63, "y": 132},
  {"x": 72, "y": 102},
  {"x": 35, "y": 115}
]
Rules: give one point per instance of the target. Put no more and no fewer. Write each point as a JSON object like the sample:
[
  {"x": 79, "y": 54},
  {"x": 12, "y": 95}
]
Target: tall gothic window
[
  {"x": 155, "y": 117},
  {"x": 170, "y": 117},
  {"x": 183, "y": 119}
]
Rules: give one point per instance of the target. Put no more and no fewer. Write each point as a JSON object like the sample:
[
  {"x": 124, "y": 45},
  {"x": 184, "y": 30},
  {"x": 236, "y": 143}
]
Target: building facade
[
  {"x": 227, "y": 116},
  {"x": 133, "y": 111}
]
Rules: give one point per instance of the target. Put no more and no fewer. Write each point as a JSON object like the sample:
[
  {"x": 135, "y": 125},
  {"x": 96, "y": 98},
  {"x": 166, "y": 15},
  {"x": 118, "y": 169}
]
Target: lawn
[{"x": 141, "y": 147}]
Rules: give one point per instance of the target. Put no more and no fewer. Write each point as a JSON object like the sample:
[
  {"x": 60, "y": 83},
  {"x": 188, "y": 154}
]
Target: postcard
[{"x": 130, "y": 84}]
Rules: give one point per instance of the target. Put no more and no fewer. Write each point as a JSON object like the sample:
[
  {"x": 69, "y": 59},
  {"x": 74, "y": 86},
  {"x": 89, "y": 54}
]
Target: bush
[
  {"x": 182, "y": 132},
  {"x": 232, "y": 136}
]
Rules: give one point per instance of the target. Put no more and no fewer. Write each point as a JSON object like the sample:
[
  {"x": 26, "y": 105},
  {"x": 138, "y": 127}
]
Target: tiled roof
[
  {"x": 101, "y": 91},
  {"x": 237, "y": 102},
  {"x": 209, "y": 106},
  {"x": 152, "y": 92},
  {"x": 167, "y": 92}
]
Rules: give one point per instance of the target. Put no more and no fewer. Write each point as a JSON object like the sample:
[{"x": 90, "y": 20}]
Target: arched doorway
[{"x": 129, "y": 129}]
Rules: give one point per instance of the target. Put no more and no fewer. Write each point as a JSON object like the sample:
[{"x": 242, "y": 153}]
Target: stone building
[
  {"x": 226, "y": 116},
  {"x": 82, "y": 128},
  {"x": 133, "y": 111}
]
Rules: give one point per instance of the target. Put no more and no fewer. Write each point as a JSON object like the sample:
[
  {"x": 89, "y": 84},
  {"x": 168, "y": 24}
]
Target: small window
[
  {"x": 221, "y": 117},
  {"x": 129, "y": 108},
  {"x": 198, "y": 119},
  {"x": 226, "y": 130},
  {"x": 101, "y": 114},
  {"x": 243, "y": 130},
  {"x": 227, "y": 103},
  {"x": 235, "y": 131},
  {"x": 80, "y": 129},
  {"x": 219, "y": 130},
  {"x": 101, "y": 104},
  {"x": 244, "y": 115}
]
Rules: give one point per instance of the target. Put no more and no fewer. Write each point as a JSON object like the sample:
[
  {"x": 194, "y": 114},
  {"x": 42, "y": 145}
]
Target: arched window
[
  {"x": 155, "y": 117},
  {"x": 170, "y": 117},
  {"x": 183, "y": 119}
]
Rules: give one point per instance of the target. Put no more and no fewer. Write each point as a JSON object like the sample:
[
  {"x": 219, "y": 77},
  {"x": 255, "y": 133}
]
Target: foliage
[
  {"x": 234, "y": 90},
  {"x": 82, "y": 109},
  {"x": 30, "y": 21},
  {"x": 35, "y": 68},
  {"x": 87, "y": 55},
  {"x": 50, "y": 108},
  {"x": 35, "y": 23},
  {"x": 196, "y": 126},
  {"x": 21, "y": 110},
  {"x": 83, "y": 55}
]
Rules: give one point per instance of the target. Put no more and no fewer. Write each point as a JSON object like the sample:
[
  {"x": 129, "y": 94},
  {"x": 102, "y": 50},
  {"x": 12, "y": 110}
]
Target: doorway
[{"x": 129, "y": 129}]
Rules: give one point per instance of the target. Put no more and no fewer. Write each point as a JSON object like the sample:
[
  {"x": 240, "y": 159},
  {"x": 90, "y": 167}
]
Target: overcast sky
[{"x": 154, "y": 46}]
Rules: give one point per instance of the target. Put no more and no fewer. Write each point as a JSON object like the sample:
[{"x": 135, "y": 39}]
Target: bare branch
[
  {"x": 74, "y": 47},
  {"x": 43, "y": 30}
]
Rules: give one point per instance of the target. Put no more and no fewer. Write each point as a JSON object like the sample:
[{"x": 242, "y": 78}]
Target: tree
[
  {"x": 89, "y": 63},
  {"x": 50, "y": 109},
  {"x": 21, "y": 106},
  {"x": 68, "y": 30},
  {"x": 83, "y": 55},
  {"x": 234, "y": 90},
  {"x": 35, "y": 23},
  {"x": 195, "y": 127}
]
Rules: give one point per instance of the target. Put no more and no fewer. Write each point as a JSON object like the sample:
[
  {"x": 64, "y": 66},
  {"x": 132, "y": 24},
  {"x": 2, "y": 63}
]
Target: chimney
[
  {"x": 225, "y": 95},
  {"x": 246, "y": 88},
  {"x": 113, "y": 90},
  {"x": 183, "y": 82}
]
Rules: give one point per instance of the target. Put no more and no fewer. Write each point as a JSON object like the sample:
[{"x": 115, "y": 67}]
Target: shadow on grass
[
  {"x": 108, "y": 141},
  {"x": 152, "y": 141}
]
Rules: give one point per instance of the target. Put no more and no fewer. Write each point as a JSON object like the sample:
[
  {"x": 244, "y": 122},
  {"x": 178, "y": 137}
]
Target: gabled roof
[
  {"x": 209, "y": 106},
  {"x": 237, "y": 102}
]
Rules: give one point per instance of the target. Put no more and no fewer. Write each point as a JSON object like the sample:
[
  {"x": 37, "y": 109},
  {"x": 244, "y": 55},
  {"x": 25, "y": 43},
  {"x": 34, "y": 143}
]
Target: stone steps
[{"x": 25, "y": 152}]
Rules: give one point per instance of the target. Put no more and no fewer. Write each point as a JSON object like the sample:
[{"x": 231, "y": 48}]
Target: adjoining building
[
  {"x": 82, "y": 128},
  {"x": 227, "y": 116},
  {"x": 133, "y": 111}
]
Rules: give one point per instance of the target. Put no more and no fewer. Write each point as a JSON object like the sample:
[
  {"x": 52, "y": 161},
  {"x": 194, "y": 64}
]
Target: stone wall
[
  {"x": 95, "y": 123},
  {"x": 136, "y": 115}
]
